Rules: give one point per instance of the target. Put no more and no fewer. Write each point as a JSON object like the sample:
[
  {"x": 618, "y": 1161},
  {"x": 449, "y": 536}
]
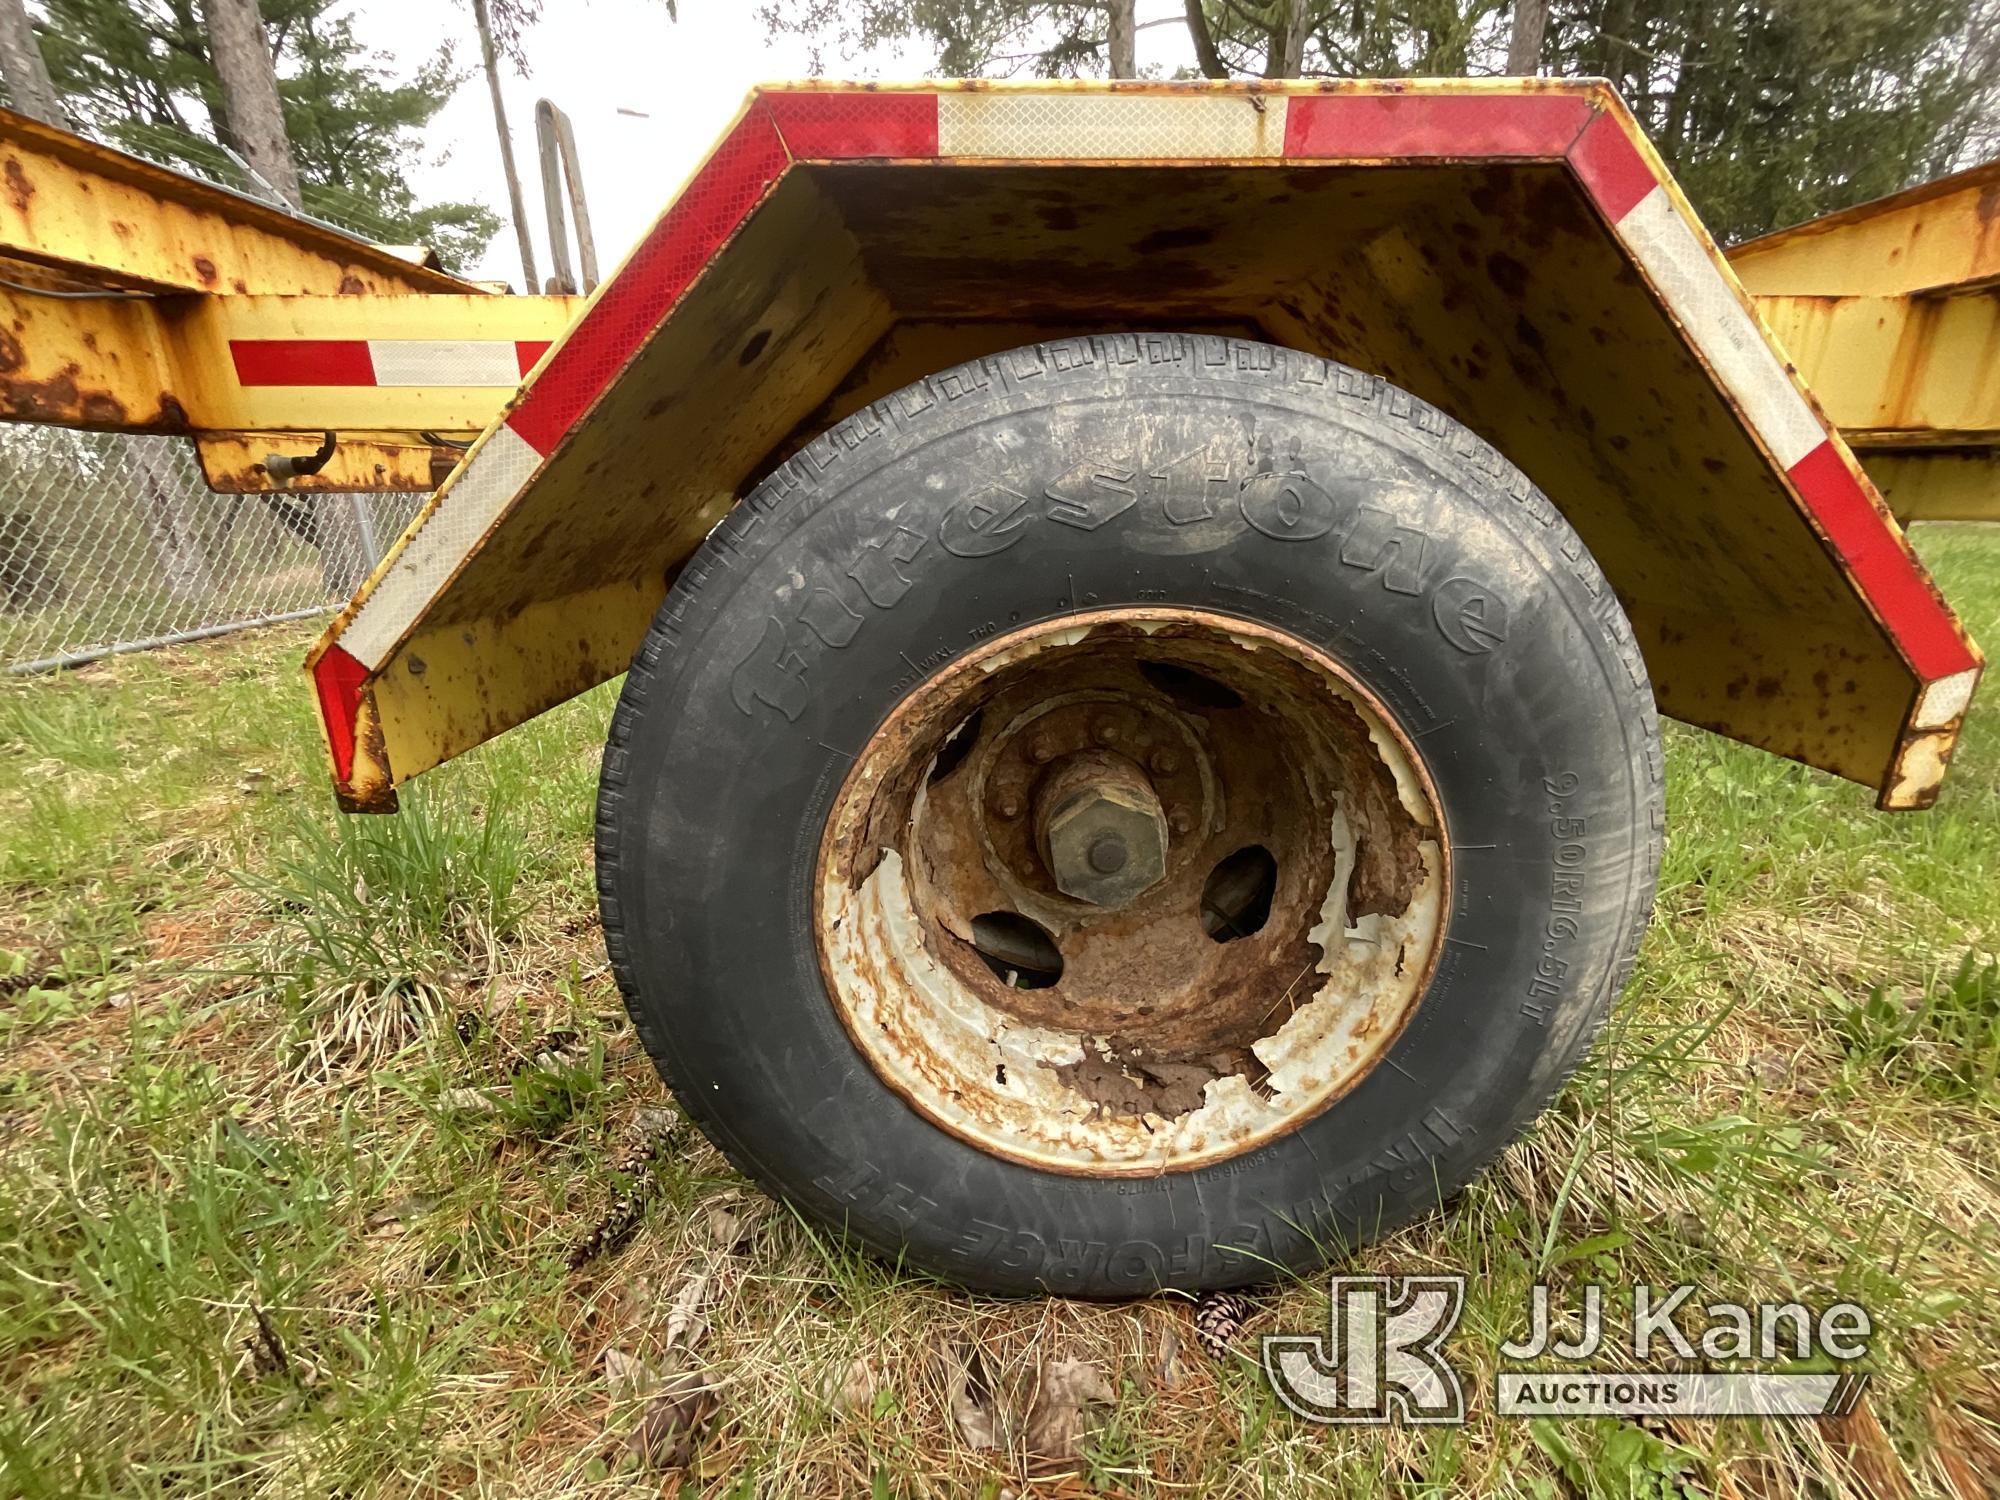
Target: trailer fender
[{"x": 1510, "y": 252}]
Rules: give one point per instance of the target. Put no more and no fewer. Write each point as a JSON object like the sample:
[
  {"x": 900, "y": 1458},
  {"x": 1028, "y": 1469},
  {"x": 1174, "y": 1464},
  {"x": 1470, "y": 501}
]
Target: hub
[{"x": 1102, "y": 831}]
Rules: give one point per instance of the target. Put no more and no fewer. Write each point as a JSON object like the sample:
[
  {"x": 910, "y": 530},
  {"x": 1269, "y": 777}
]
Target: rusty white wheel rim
[{"x": 1162, "y": 1046}]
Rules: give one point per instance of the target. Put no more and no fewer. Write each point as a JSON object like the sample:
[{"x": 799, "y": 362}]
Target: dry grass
[{"x": 303, "y": 1122}]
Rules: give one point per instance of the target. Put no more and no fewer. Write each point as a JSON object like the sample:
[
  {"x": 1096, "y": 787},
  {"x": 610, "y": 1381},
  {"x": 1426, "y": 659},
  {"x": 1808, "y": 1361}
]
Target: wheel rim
[{"x": 1131, "y": 891}]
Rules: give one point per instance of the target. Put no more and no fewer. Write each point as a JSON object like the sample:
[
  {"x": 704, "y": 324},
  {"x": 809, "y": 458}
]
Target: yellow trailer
[
  {"x": 1892, "y": 311},
  {"x": 1142, "y": 608}
]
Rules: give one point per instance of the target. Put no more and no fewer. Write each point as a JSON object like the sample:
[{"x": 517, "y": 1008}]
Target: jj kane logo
[{"x": 1382, "y": 1358}]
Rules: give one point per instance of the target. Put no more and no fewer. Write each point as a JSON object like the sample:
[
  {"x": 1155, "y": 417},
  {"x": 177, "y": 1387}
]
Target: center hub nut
[{"x": 1102, "y": 831}]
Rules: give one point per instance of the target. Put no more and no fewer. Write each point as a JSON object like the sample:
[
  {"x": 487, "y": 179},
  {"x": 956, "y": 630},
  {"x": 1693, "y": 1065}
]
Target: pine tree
[{"x": 140, "y": 74}]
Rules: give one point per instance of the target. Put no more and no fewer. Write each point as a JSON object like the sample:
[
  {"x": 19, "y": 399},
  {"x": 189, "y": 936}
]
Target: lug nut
[
  {"x": 1041, "y": 749},
  {"x": 1180, "y": 820},
  {"x": 1107, "y": 732},
  {"x": 1008, "y": 805},
  {"x": 1165, "y": 762},
  {"x": 1100, "y": 830}
]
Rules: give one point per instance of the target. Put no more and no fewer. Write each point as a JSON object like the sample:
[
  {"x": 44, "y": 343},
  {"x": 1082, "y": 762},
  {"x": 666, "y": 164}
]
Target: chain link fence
[{"x": 112, "y": 544}]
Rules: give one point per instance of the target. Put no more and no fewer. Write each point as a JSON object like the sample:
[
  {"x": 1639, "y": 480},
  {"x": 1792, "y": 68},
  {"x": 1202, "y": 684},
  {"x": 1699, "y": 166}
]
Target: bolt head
[{"x": 1107, "y": 845}]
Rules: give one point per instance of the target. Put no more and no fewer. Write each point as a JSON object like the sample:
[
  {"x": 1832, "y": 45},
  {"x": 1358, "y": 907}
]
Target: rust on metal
[
  {"x": 1169, "y": 1032},
  {"x": 1891, "y": 310},
  {"x": 168, "y": 364},
  {"x": 101, "y": 218},
  {"x": 1100, "y": 826},
  {"x": 1492, "y": 291},
  {"x": 234, "y": 463}
]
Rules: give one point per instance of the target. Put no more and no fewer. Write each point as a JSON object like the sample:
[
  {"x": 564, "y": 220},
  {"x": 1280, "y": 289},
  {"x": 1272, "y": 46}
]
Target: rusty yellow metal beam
[
  {"x": 1891, "y": 311},
  {"x": 237, "y": 463},
  {"x": 248, "y": 363},
  {"x": 1936, "y": 235},
  {"x": 81, "y": 214},
  {"x": 1898, "y": 371},
  {"x": 1944, "y": 484},
  {"x": 181, "y": 307}
]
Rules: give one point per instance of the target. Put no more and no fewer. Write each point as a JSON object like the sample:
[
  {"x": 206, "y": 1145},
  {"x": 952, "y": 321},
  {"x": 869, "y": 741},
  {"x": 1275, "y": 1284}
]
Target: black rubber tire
[{"x": 1490, "y": 633}]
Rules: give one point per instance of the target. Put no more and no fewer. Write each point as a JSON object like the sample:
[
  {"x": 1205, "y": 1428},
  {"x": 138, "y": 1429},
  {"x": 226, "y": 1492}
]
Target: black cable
[{"x": 105, "y": 294}]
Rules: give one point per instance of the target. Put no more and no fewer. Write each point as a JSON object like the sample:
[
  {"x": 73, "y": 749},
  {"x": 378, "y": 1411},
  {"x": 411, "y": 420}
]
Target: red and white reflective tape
[
  {"x": 495, "y": 471},
  {"x": 1347, "y": 126},
  {"x": 384, "y": 362},
  {"x": 1687, "y": 274}
]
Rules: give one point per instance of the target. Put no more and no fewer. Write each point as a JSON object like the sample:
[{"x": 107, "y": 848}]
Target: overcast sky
[{"x": 597, "y": 59}]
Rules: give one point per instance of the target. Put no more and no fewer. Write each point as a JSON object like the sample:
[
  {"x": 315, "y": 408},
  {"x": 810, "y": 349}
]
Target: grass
[{"x": 301, "y": 1119}]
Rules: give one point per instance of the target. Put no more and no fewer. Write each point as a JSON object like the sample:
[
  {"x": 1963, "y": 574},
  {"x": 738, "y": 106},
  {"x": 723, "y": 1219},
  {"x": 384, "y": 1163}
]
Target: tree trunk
[
  {"x": 1524, "y": 45},
  {"x": 250, "y": 91},
  {"x": 1287, "y": 55},
  {"x": 21, "y": 65},
  {"x": 490, "y": 56},
  {"x": 161, "y": 500},
  {"x": 1205, "y": 54},
  {"x": 1124, "y": 39}
]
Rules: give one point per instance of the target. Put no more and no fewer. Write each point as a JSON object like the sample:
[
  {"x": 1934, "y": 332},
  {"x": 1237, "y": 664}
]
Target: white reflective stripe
[
  {"x": 1944, "y": 700},
  {"x": 445, "y": 362},
  {"x": 1111, "y": 127},
  {"x": 1678, "y": 262},
  {"x": 457, "y": 520}
]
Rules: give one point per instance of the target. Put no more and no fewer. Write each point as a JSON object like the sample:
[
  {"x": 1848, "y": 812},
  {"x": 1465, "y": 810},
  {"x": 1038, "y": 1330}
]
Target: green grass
[{"x": 301, "y": 1116}]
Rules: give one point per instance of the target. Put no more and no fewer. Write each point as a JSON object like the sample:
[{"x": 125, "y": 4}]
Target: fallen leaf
[
  {"x": 1165, "y": 1372},
  {"x": 1063, "y": 1415},
  {"x": 686, "y": 1321},
  {"x": 470, "y": 1101},
  {"x": 628, "y": 1376},
  {"x": 673, "y": 1420},
  {"x": 732, "y": 1221},
  {"x": 851, "y": 1387},
  {"x": 972, "y": 1404}
]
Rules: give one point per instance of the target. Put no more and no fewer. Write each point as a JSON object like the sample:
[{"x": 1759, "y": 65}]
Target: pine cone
[
  {"x": 635, "y": 1178},
  {"x": 1218, "y": 1319}
]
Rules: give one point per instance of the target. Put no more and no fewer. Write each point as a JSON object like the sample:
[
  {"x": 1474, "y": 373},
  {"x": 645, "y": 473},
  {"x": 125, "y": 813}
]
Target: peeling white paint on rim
[{"x": 992, "y": 1078}]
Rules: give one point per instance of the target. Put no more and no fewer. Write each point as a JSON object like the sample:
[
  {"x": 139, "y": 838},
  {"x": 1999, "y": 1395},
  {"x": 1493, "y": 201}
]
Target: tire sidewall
[{"x": 1190, "y": 472}]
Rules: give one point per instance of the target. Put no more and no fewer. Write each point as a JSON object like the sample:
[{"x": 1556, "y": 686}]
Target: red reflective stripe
[
  {"x": 527, "y": 351},
  {"x": 1612, "y": 169},
  {"x": 833, "y": 126},
  {"x": 1359, "y": 126},
  {"x": 302, "y": 361},
  {"x": 337, "y": 677},
  {"x": 630, "y": 306},
  {"x": 1887, "y": 574}
]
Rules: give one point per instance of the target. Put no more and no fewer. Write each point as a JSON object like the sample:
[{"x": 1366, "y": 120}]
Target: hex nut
[{"x": 1106, "y": 841}]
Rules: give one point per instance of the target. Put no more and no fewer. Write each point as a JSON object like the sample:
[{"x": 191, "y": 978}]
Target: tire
[{"x": 1490, "y": 636}]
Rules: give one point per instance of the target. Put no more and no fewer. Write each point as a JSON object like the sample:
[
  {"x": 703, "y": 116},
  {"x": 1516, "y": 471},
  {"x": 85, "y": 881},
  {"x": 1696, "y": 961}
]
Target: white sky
[{"x": 595, "y": 57}]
